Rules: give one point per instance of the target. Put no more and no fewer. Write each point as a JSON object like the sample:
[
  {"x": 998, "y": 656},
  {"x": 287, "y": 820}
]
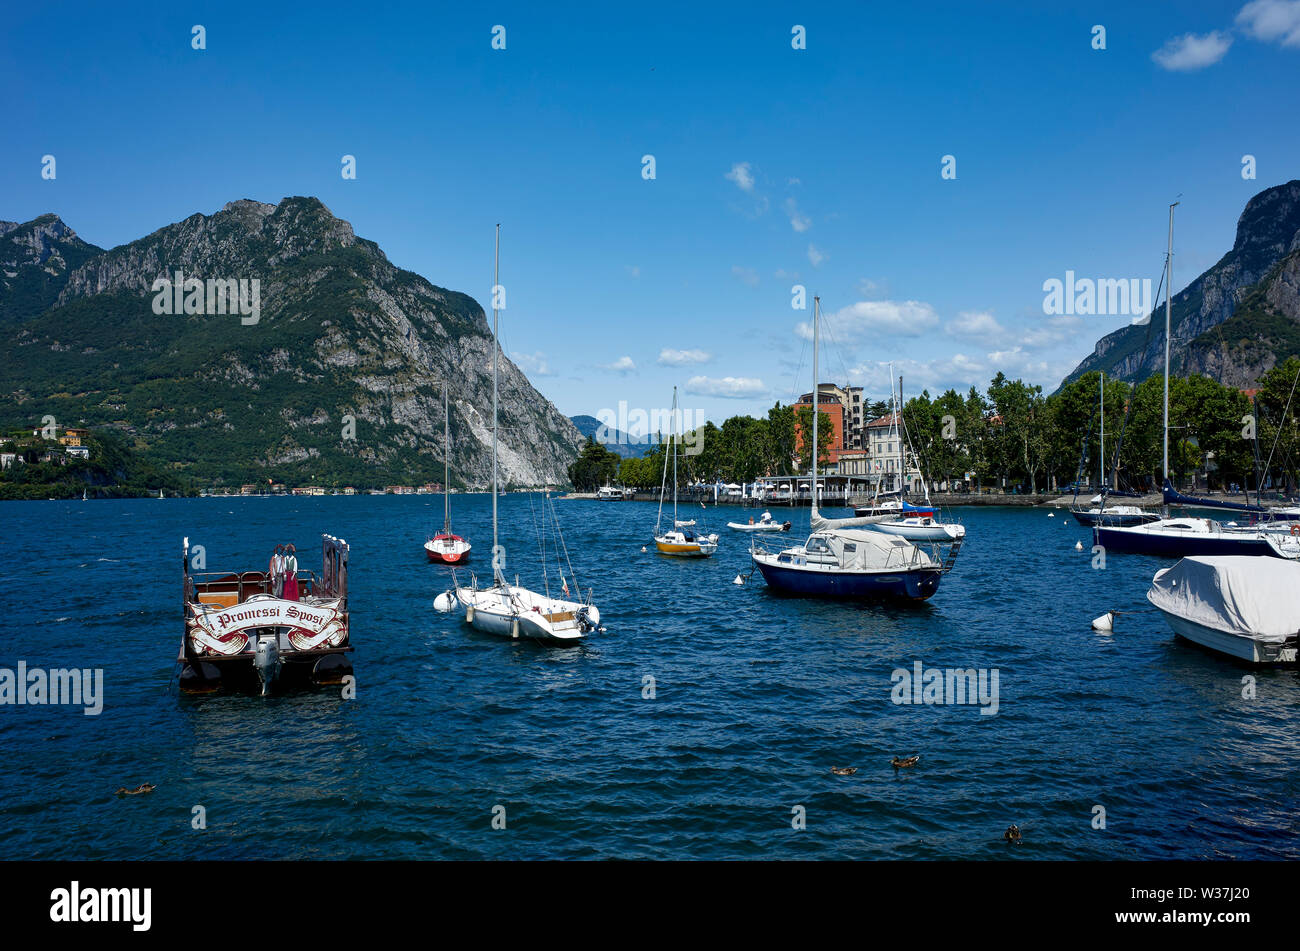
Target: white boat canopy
[{"x": 1237, "y": 594}]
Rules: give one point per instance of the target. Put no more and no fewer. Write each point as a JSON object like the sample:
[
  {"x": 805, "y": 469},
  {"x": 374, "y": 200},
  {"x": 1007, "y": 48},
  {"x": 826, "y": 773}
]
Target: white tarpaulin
[{"x": 1252, "y": 596}]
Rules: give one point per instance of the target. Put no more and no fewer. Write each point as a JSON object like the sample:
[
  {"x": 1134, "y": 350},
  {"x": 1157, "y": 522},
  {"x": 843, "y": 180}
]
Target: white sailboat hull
[
  {"x": 920, "y": 530},
  {"x": 516, "y": 613}
]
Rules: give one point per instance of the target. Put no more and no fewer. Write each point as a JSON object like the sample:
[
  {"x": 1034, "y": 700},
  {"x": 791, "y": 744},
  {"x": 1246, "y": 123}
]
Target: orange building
[{"x": 832, "y": 407}]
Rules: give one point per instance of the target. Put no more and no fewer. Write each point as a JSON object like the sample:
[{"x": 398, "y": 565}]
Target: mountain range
[
  {"x": 316, "y": 360},
  {"x": 615, "y": 440},
  {"x": 1237, "y": 320}
]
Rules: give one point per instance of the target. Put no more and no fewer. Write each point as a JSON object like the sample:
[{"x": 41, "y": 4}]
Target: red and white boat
[{"x": 447, "y": 548}]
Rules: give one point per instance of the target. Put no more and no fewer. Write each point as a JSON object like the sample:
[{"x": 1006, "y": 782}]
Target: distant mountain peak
[
  {"x": 1214, "y": 331},
  {"x": 340, "y": 376}
]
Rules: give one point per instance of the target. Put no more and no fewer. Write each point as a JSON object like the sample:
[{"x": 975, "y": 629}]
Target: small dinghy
[{"x": 765, "y": 524}]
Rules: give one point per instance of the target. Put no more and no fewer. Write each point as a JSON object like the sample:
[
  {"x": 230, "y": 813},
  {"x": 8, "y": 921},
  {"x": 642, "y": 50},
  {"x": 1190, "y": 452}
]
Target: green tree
[{"x": 594, "y": 467}]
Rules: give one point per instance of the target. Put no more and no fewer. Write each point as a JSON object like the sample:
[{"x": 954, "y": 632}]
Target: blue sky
[{"x": 774, "y": 166}]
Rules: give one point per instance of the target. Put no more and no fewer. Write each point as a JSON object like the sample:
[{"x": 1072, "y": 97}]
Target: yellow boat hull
[{"x": 688, "y": 550}]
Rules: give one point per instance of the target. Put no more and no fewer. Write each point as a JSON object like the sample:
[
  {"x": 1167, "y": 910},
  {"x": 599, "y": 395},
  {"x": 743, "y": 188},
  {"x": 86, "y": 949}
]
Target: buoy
[
  {"x": 442, "y": 603},
  {"x": 739, "y": 579},
  {"x": 643, "y": 546},
  {"x": 1049, "y": 514},
  {"x": 1104, "y": 623},
  {"x": 1078, "y": 546}
]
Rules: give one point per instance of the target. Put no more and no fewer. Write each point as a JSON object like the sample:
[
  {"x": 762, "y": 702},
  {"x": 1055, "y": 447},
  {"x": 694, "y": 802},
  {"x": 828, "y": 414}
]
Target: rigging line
[
  {"x": 1278, "y": 434},
  {"x": 541, "y": 542},
  {"x": 798, "y": 372},
  {"x": 1130, "y": 400},
  {"x": 564, "y": 547}
]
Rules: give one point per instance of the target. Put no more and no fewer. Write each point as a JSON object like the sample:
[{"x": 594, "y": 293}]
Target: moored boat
[
  {"x": 257, "y": 629},
  {"x": 447, "y": 548},
  {"x": 1183, "y": 537},
  {"x": 1232, "y": 605},
  {"x": 765, "y": 523},
  {"x": 682, "y": 540},
  {"x": 848, "y": 558},
  {"x": 511, "y": 610}
]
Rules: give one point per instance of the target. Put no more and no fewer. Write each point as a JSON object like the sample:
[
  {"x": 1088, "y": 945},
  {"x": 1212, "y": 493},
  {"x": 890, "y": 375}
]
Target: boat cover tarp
[{"x": 1238, "y": 594}]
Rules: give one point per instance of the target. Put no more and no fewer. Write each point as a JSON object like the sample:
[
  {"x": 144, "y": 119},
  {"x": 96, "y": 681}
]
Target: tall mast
[
  {"x": 1169, "y": 306},
  {"x": 1101, "y": 462},
  {"x": 674, "y": 458},
  {"x": 446, "y": 462},
  {"x": 902, "y": 452},
  {"x": 496, "y": 350},
  {"x": 817, "y": 303}
]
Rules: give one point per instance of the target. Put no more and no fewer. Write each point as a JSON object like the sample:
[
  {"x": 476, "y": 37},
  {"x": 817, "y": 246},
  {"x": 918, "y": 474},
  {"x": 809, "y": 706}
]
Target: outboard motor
[
  {"x": 266, "y": 661},
  {"x": 585, "y": 622}
]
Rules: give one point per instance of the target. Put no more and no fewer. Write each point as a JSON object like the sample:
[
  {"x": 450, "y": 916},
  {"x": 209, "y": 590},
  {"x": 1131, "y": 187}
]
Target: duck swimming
[
  {"x": 843, "y": 770},
  {"x": 1012, "y": 834},
  {"x": 900, "y": 763},
  {"x": 142, "y": 788}
]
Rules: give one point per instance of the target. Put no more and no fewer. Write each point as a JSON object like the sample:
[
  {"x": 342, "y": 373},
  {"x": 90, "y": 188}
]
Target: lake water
[{"x": 756, "y": 697}]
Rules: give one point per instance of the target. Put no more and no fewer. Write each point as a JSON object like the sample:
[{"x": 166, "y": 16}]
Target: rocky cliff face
[
  {"x": 1262, "y": 332},
  {"x": 1267, "y": 232},
  {"x": 336, "y": 378},
  {"x": 35, "y": 261}
]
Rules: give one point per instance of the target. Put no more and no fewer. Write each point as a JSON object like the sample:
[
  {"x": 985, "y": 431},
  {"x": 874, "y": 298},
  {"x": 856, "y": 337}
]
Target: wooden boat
[{"x": 239, "y": 634}]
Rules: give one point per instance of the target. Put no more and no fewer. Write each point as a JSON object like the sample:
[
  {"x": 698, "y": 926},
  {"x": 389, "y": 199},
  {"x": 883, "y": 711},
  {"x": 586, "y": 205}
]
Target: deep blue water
[{"x": 757, "y": 697}]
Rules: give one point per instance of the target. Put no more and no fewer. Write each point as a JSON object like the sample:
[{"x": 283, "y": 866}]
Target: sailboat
[
  {"x": 1180, "y": 537},
  {"x": 1100, "y": 514},
  {"x": 913, "y": 522},
  {"x": 839, "y": 560},
  {"x": 447, "y": 547},
  {"x": 681, "y": 540},
  {"x": 511, "y": 610}
]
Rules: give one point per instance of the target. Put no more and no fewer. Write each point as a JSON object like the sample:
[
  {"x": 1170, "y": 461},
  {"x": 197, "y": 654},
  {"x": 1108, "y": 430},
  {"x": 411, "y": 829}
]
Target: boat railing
[{"x": 245, "y": 584}]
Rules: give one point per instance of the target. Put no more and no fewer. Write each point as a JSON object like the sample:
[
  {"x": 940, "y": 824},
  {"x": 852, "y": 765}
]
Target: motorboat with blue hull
[{"x": 1183, "y": 537}]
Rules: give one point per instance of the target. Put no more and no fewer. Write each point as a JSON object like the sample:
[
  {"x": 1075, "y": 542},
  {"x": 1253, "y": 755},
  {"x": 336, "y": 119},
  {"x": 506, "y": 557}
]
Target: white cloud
[
  {"x": 815, "y": 255},
  {"x": 958, "y": 372},
  {"x": 679, "y": 358},
  {"x": 742, "y": 175},
  {"x": 1191, "y": 51},
  {"x": 1050, "y": 332},
  {"x": 533, "y": 364},
  {"x": 621, "y": 365},
  {"x": 781, "y": 274},
  {"x": 869, "y": 320},
  {"x": 798, "y": 220},
  {"x": 745, "y": 274},
  {"x": 976, "y": 324},
  {"x": 1272, "y": 20},
  {"x": 727, "y": 388}
]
